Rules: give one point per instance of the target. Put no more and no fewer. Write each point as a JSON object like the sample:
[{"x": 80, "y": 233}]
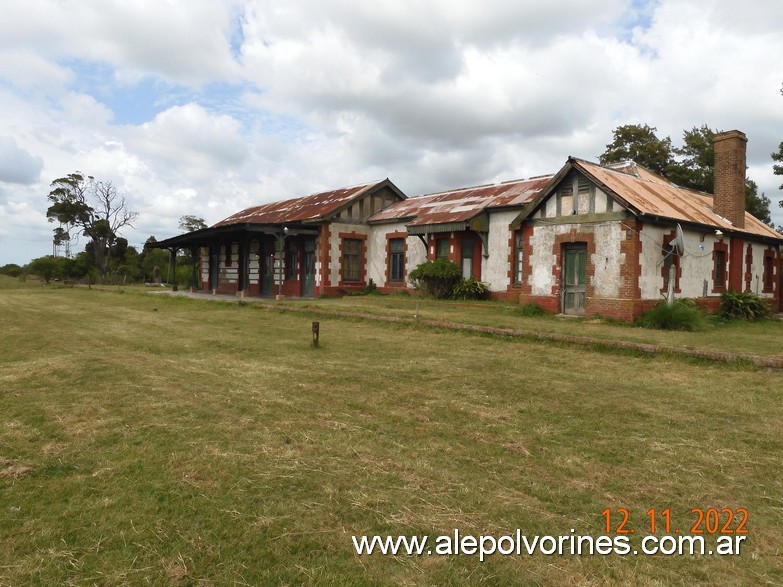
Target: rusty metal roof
[
  {"x": 308, "y": 208},
  {"x": 649, "y": 194},
  {"x": 462, "y": 204}
]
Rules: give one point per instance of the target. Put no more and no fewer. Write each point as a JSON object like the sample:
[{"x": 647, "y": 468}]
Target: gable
[
  {"x": 362, "y": 207},
  {"x": 575, "y": 195}
]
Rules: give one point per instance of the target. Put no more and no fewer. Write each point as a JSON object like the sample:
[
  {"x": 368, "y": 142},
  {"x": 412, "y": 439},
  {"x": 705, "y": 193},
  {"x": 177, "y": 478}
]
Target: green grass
[
  {"x": 156, "y": 440},
  {"x": 762, "y": 338}
]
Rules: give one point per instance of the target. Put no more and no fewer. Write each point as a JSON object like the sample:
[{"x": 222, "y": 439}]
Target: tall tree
[
  {"x": 756, "y": 204},
  {"x": 694, "y": 167},
  {"x": 639, "y": 143},
  {"x": 93, "y": 208},
  {"x": 190, "y": 223},
  {"x": 778, "y": 169}
]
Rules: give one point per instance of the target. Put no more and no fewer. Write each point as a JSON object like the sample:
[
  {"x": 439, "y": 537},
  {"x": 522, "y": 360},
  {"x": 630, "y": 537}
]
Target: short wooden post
[{"x": 316, "y": 333}]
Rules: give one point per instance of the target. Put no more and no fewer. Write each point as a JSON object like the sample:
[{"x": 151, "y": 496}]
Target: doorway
[
  {"x": 574, "y": 279},
  {"x": 308, "y": 268}
]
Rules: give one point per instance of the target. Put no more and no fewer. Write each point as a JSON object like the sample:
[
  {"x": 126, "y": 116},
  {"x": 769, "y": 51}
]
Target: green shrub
[
  {"x": 682, "y": 315},
  {"x": 470, "y": 289},
  {"x": 531, "y": 309},
  {"x": 436, "y": 278},
  {"x": 735, "y": 305}
]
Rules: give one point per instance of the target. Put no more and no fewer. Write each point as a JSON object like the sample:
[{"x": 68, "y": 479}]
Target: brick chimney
[{"x": 729, "y": 198}]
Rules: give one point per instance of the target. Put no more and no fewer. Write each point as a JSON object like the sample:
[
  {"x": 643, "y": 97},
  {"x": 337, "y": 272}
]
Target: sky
[{"x": 206, "y": 107}]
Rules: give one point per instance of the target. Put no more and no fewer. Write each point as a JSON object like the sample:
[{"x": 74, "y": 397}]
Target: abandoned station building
[{"x": 589, "y": 239}]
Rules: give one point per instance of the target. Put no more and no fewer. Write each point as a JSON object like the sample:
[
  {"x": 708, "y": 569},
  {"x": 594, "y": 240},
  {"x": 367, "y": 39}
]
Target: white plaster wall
[
  {"x": 417, "y": 254},
  {"x": 757, "y": 270},
  {"x": 377, "y": 254},
  {"x": 495, "y": 268},
  {"x": 542, "y": 260},
  {"x": 376, "y": 251},
  {"x": 607, "y": 259},
  {"x": 697, "y": 263},
  {"x": 650, "y": 281}
]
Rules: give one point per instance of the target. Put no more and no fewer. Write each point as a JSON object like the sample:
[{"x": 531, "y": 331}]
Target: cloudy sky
[{"x": 205, "y": 107}]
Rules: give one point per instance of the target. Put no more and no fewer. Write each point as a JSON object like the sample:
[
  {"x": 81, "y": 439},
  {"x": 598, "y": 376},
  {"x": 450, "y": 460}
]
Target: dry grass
[{"x": 148, "y": 440}]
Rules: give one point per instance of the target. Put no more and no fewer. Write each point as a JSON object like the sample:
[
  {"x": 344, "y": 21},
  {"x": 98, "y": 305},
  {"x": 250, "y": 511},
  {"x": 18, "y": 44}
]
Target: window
[
  {"x": 719, "y": 273},
  {"x": 442, "y": 248},
  {"x": 467, "y": 258},
  {"x": 769, "y": 271},
  {"x": 291, "y": 260},
  {"x": 352, "y": 259},
  {"x": 396, "y": 259},
  {"x": 518, "y": 258}
]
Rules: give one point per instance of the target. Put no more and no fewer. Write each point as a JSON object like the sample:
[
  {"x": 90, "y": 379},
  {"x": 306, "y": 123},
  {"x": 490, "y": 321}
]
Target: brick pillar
[{"x": 729, "y": 199}]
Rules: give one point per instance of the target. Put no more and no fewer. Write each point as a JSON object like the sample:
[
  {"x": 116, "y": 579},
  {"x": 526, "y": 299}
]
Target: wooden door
[{"x": 574, "y": 279}]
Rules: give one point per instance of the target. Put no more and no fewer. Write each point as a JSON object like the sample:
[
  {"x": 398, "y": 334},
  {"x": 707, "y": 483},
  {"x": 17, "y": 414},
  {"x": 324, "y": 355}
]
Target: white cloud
[
  {"x": 17, "y": 165},
  {"x": 255, "y": 100}
]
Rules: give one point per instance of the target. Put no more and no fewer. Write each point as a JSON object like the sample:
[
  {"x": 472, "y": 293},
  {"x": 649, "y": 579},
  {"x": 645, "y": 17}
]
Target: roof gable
[
  {"x": 312, "y": 208},
  {"x": 646, "y": 194}
]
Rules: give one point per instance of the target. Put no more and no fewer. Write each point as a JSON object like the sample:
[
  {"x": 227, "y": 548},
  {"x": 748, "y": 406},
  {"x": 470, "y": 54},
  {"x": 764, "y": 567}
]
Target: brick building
[{"x": 589, "y": 239}]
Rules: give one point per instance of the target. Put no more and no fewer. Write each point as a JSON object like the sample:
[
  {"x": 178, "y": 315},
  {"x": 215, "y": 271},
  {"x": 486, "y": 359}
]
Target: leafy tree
[
  {"x": 778, "y": 169},
  {"x": 755, "y": 204},
  {"x": 149, "y": 258},
  {"x": 695, "y": 166},
  {"x": 11, "y": 269},
  {"x": 49, "y": 267},
  {"x": 639, "y": 143},
  {"x": 93, "y": 208},
  {"x": 190, "y": 223}
]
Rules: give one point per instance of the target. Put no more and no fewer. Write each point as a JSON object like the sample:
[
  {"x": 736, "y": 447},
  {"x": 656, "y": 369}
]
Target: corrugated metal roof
[
  {"x": 649, "y": 194},
  {"x": 462, "y": 204},
  {"x": 307, "y": 208}
]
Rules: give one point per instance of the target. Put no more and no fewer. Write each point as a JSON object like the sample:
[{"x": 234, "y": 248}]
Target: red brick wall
[{"x": 729, "y": 199}]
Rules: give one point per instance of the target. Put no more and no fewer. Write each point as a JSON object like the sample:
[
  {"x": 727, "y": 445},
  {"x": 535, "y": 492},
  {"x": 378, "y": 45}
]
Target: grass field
[{"x": 154, "y": 440}]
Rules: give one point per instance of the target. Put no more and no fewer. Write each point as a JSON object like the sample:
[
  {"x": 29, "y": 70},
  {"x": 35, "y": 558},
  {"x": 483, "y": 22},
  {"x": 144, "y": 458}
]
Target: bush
[
  {"x": 736, "y": 305},
  {"x": 531, "y": 309},
  {"x": 682, "y": 315},
  {"x": 470, "y": 289},
  {"x": 436, "y": 278}
]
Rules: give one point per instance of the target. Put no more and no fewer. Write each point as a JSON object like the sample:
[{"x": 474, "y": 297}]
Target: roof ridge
[{"x": 484, "y": 185}]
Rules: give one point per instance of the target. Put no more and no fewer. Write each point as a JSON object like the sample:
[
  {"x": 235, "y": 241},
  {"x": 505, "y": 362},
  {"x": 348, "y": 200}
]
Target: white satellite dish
[{"x": 679, "y": 241}]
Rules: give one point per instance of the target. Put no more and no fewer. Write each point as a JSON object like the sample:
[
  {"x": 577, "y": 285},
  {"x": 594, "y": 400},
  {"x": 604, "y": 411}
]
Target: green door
[
  {"x": 308, "y": 269},
  {"x": 267, "y": 268},
  {"x": 574, "y": 279}
]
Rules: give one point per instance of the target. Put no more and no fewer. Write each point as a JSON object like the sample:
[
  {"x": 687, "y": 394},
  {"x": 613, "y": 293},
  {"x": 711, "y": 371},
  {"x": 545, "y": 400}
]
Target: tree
[
  {"x": 190, "y": 223},
  {"x": 639, "y": 143},
  {"x": 755, "y": 204},
  {"x": 778, "y": 169},
  {"x": 49, "y": 267},
  {"x": 11, "y": 269},
  {"x": 695, "y": 168},
  {"x": 93, "y": 208}
]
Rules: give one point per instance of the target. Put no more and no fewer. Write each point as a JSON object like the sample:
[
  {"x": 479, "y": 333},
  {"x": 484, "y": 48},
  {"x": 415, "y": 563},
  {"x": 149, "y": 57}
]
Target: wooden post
[{"x": 316, "y": 333}]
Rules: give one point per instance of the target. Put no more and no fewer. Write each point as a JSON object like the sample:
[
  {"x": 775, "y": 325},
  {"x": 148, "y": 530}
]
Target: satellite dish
[{"x": 679, "y": 241}]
